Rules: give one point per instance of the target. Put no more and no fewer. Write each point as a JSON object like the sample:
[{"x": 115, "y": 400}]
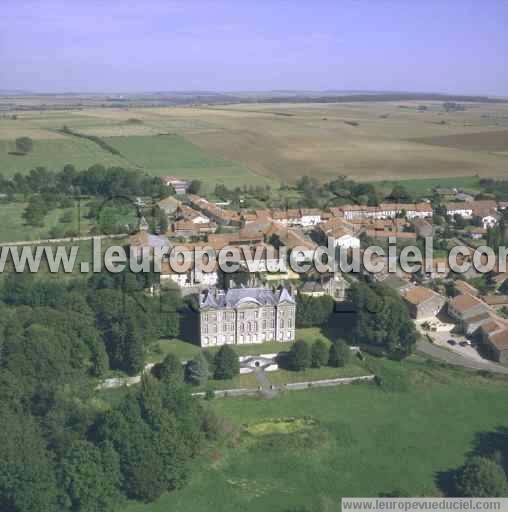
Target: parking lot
[{"x": 443, "y": 337}]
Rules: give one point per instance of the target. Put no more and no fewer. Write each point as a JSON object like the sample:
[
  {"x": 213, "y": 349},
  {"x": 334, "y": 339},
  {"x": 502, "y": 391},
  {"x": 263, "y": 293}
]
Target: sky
[{"x": 451, "y": 46}]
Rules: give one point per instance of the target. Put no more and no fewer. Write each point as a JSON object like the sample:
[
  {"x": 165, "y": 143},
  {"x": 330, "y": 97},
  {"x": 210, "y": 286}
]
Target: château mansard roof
[{"x": 237, "y": 296}]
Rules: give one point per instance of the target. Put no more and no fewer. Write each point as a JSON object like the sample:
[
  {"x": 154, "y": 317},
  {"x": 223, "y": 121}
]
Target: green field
[
  {"x": 164, "y": 155},
  {"x": 54, "y": 154},
  {"x": 363, "y": 440},
  {"x": 14, "y": 229},
  {"x": 423, "y": 187},
  {"x": 272, "y": 143}
]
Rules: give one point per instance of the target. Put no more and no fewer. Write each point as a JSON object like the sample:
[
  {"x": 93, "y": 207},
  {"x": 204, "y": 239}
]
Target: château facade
[{"x": 245, "y": 316}]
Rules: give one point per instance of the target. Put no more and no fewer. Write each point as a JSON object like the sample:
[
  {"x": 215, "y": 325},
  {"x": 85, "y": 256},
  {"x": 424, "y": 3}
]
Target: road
[
  {"x": 266, "y": 387},
  {"x": 61, "y": 240},
  {"x": 455, "y": 359}
]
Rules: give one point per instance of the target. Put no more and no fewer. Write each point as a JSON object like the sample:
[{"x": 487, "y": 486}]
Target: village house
[
  {"x": 194, "y": 278},
  {"x": 464, "y": 209},
  {"x": 178, "y": 185},
  {"x": 169, "y": 205},
  {"x": 464, "y": 287},
  {"x": 422, "y": 227},
  {"x": 309, "y": 217},
  {"x": 334, "y": 285},
  {"x": 144, "y": 243},
  {"x": 469, "y": 312},
  {"x": 486, "y": 210},
  {"x": 423, "y": 303},
  {"x": 388, "y": 211},
  {"x": 383, "y": 235},
  {"x": 246, "y": 315},
  {"x": 494, "y": 335},
  {"x": 341, "y": 232},
  {"x": 216, "y": 213},
  {"x": 191, "y": 228},
  {"x": 476, "y": 233},
  {"x": 189, "y": 214}
]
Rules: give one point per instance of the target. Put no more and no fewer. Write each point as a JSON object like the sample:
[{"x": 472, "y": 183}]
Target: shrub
[
  {"x": 299, "y": 357},
  {"x": 319, "y": 354},
  {"x": 226, "y": 363},
  {"x": 339, "y": 354}
]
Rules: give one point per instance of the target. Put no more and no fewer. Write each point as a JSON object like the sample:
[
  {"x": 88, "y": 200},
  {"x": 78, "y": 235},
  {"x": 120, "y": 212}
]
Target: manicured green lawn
[
  {"x": 286, "y": 376},
  {"x": 247, "y": 380},
  {"x": 185, "y": 350},
  {"x": 368, "y": 440}
]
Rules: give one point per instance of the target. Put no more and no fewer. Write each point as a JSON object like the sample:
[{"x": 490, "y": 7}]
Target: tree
[
  {"x": 275, "y": 240},
  {"x": 27, "y": 476},
  {"x": 459, "y": 221},
  {"x": 400, "y": 194},
  {"x": 133, "y": 360},
  {"x": 451, "y": 289},
  {"x": 194, "y": 187},
  {"x": 170, "y": 370},
  {"x": 312, "y": 311},
  {"x": 481, "y": 477},
  {"x": 226, "y": 363},
  {"x": 24, "y": 145},
  {"x": 299, "y": 357},
  {"x": 382, "y": 319},
  {"x": 196, "y": 371},
  {"x": 319, "y": 353},
  {"x": 339, "y": 354},
  {"x": 35, "y": 211},
  {"x": 91, "y": 477}
]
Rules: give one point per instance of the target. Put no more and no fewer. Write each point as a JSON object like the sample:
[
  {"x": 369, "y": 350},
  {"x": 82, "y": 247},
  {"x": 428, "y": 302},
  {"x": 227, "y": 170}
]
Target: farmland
[
  {"x": 256, "y": 144},
  {"x": 349, "y": 438},
  {"x": 13, "y": 227}
]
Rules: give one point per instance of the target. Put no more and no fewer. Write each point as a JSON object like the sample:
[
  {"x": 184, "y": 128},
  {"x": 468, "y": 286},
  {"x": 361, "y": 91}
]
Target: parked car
[
  {"x": 464, "y": 343},
  {"x": 451, "y": 342}
]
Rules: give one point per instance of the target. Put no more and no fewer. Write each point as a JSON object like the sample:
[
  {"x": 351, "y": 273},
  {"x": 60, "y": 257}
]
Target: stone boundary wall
[
  {"x": 295, "y": 386},
  {"x": 327, "y": 382},
  {"x": 62, "y": 240}
]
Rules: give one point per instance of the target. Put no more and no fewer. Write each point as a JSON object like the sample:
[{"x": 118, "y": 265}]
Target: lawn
[
  {"x": 247, "y": 380},
  {"x": 365, "y": 440},
  {"x": 186, "y": 350},
  {"x": 285, "y": 376}
]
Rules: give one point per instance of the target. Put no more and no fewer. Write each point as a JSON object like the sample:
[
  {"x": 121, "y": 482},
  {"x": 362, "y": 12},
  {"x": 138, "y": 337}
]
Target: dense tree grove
[
  {"x": 313, "y": 311},
  {"x": 59, "y": 449},
  {"x": 97, "y": 180},
  {"x": 382, "y": 319}
]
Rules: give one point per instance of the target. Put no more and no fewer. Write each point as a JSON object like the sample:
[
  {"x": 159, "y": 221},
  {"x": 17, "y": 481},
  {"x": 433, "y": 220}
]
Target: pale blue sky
[{"x": 456, "y": 46}]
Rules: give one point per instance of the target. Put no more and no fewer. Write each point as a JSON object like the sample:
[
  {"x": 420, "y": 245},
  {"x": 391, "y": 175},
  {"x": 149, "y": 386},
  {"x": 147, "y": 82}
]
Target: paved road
[
  {"x": 455, "y": 359},
  {"x": 266, "y": 386}
]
